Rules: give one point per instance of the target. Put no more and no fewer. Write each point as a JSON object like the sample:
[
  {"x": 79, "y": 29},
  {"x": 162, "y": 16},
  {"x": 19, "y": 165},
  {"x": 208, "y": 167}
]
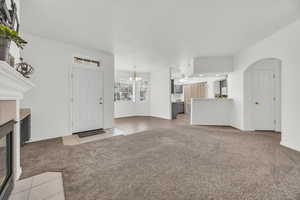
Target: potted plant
[{"x": 6, "y": 36}]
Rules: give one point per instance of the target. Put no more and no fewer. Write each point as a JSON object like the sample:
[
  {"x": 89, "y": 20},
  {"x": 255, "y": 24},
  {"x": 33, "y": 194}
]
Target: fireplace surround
[
  {"x": 6, "y": 159},
  {"x": 13, "y": 86}
]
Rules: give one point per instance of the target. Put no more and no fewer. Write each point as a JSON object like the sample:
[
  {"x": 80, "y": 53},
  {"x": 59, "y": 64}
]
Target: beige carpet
[{"x": 182, "y": 163}]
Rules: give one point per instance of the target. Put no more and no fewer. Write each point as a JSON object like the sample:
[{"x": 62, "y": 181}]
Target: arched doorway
[{"x": 262, "y": 106}]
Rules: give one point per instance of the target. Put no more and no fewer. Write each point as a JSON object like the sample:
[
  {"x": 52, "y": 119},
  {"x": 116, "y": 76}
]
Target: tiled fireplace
[{"x": 6, "y": 159}]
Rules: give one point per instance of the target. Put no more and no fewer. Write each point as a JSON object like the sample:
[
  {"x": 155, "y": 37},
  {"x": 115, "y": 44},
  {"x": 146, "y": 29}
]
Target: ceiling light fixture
[{"x": 135, "y": 76}]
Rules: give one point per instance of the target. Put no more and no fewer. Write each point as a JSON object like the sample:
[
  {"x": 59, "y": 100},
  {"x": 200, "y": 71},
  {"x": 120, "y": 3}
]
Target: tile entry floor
[
  {"x": 46, "y": 186},
  {"x": 75, "y": 139},
  {"x": 127, "y": 126}
]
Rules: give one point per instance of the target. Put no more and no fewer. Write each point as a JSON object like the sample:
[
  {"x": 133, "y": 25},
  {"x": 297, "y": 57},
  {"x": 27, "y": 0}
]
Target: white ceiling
[{"x": 158, "y": 33}]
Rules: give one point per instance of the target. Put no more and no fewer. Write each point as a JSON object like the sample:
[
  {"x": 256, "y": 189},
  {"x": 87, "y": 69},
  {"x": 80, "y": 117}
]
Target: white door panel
[
  {"x": 87, "y": 107},
  {"x": 263, "y": 99}
]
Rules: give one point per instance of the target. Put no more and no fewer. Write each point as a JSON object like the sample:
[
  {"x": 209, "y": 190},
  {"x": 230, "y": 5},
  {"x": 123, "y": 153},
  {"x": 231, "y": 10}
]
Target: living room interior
[{"x": 135, "y": 100}]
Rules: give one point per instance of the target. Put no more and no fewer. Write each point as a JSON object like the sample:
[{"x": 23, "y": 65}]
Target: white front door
[
  {"x": 87, "y": 98},
  {"x": 263, "y": 99}
]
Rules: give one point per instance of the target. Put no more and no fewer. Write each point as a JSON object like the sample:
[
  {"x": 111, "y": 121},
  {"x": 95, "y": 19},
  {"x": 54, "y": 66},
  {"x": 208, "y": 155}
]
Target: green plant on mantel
[{"x": 7, "y": 33}]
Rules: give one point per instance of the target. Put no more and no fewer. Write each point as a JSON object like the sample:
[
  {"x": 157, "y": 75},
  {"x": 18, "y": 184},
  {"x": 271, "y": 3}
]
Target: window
[
  {"x": 221, "y": 89},
  {"x": 223, "y": 85},
  {"x": 128, "y": 89},
  {"x": 143, "y": 90},
  {"x": 123, "y": 91}
]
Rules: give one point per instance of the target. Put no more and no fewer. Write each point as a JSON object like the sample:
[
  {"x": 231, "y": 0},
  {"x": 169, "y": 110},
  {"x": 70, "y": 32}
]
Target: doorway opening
[{"x": 263, "y": 95}]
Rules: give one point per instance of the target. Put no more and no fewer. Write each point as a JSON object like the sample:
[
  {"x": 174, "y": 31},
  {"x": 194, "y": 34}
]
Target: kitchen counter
[
  {"x": 211, "y": 111},
  {"x": 24, "y": 112},
  {"x": 211, "y": 99}
]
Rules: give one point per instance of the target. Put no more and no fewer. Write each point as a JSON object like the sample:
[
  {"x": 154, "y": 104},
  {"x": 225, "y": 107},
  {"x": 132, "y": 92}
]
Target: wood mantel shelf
[{"x": 12, "y": 83}]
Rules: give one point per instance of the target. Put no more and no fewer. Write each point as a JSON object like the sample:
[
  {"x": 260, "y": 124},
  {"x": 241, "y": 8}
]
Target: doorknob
[
  {"x": 100, "y": 100},
  {"x": 256, "y": 103}
]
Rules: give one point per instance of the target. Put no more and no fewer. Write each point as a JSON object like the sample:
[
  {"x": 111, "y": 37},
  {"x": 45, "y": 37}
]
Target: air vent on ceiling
[{"x": 78, "y": 60}]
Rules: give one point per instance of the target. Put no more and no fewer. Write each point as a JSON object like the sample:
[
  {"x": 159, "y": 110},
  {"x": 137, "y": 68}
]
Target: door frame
[{"x": 70, "y": 77}]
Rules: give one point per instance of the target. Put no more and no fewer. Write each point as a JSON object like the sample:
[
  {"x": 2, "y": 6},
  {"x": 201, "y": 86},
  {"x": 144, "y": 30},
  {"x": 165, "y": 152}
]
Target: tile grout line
[
  {"x": 53, "y": 195},
  {"x": 32, "y": 186},
  {"x": 29, "y": 192}
]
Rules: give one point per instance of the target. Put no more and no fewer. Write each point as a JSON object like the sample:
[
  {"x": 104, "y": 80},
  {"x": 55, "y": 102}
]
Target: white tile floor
[
  {"x": 75, "y": 140},
  {"x": 46, "y": 186}
]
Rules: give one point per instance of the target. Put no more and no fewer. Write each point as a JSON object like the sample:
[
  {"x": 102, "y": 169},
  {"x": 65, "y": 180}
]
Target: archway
[{"x": 262, "y": 95}]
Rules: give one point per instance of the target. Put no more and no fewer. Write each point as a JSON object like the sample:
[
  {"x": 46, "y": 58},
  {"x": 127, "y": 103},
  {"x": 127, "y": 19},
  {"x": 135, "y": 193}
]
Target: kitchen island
[{"x": 211, "y": 111}]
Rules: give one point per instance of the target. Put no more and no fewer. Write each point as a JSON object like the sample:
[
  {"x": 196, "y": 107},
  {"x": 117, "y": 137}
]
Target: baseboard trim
[
  {"x": 18, "y": 174},
  {"x": 136, "y": 115},
  {"x": 210, "y": 124},
  {"x": 293, "y": 147},
  {"x": 161, "y": 117}
]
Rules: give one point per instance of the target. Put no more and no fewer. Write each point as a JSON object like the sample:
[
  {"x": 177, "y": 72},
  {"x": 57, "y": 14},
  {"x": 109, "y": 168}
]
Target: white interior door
[
  {"x": 87, "y": 100},
  {"x": 263, "y": 99}
]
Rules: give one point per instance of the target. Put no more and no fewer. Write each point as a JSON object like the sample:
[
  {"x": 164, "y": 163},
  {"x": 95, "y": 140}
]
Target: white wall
[
  {"x": 284, "y": 45},
  {"x": 130, "y": 108},
  {"x": 210, "y": 91},
  {"x": 177, "y": 97},
  {"x": 160, "y": 104},
  {"x": 213, "y": 64},
  {"x": 50, "y": 99},
  {"x": 124, "y": 109}
]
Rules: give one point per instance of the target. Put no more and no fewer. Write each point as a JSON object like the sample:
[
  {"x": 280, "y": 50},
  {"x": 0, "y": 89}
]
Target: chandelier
[{"x": 135, "y": 76}]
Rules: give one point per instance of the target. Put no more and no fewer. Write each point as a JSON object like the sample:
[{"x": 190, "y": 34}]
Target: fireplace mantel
[{"x": 12, "y": 84}]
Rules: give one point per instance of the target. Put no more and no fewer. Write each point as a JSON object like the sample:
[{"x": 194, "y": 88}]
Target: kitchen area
[
  {"x": 177, "y": 98},
  {"x": 199, "y": 91},
  {"x": 185, "y": 90}
]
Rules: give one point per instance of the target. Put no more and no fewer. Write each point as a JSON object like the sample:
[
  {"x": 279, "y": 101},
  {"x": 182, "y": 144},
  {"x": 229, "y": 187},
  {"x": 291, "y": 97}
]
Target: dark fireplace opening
[{"x": 6, "y": 159}]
